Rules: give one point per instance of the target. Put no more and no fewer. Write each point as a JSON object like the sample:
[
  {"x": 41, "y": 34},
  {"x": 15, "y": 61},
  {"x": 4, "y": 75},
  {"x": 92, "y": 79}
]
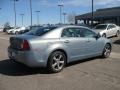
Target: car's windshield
[
  {"x": 101, "y": 27},
  {"x": 40, "y": 31}
]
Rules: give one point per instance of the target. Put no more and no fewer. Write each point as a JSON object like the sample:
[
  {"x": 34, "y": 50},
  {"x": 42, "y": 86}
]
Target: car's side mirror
[{"x": 97, "y": 36}]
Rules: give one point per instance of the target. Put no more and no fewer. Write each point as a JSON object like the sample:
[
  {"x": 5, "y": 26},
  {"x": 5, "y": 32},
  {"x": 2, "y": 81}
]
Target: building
[{"x": 107, "y": 15}]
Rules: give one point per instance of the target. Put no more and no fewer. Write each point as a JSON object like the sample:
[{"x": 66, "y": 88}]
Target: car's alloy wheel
[
  {"x": 107, "y": 51},
  {"x": 57, "y": 61}
]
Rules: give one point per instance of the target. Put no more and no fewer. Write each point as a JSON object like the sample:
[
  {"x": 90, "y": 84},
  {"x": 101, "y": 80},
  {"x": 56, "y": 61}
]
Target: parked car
[
  {"x": 1, "y": 29},
  {"x": 7, "y": 28},
  {"x": 10, "y": 31},
  {"x": 37, "y": 28},
  {"x": 57, "y": 47},
  {"x": 27, "y": 29},
  {"x": 107, "y": 30},
  {"x": 17, "y": 31}
]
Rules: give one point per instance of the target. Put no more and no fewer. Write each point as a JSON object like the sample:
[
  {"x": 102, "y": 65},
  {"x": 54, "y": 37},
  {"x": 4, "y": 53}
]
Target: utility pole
[
  {"x": 0, "y": 8},
  {"x": 37, "y": 14},
  {"x": 92, "y": 13},
  {"x": 22, "y": 18},
  {"x": 64, "y": 14},
  {"x": 60, "y": 5},
  {"x": 31, "y": 10},
  {"x": 15, "y": 11}
]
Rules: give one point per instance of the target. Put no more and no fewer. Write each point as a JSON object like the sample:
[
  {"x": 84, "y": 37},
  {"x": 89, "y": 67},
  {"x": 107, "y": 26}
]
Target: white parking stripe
[
  {"x": 4, "y": 38},
  {"x": 115, "y": 55}
]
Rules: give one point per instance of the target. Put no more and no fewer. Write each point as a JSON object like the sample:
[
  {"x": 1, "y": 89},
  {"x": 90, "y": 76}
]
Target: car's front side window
[
  {"x": 87, "y": 33},
  {"x": 110, "y": 27}
]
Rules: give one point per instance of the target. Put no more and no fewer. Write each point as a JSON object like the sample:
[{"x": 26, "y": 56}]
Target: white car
[
  {"x": 16, "y": 31},
  {"x": 1, "y": 29},
  {"x": 10, "y": 31},
  {"x": 107, "y": 30}
]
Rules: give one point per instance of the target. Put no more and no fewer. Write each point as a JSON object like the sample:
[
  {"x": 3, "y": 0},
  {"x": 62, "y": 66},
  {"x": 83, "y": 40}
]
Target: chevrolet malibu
[{"x": 57, "y": 47}]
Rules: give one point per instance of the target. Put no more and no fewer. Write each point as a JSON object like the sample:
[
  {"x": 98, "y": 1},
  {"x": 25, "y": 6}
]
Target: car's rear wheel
[
  {"x": 57, "y": 61},
  {"x": 107, "y": 51},
  {"x": 117, "y": 34}
]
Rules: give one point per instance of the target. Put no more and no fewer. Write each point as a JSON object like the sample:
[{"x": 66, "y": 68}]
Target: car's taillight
[{"x": 25, "y": 45}]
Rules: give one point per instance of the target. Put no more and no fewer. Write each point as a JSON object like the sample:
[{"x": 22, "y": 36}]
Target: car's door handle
[
  {"x": 88, "y": 41},
  {"x": 66, "y": 41}
]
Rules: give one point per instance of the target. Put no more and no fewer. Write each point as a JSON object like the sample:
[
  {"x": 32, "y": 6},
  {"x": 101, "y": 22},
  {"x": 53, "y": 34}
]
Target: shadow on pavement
[
  {"x": 117, "y": 42},
  {"x": 11, "y": 68}
]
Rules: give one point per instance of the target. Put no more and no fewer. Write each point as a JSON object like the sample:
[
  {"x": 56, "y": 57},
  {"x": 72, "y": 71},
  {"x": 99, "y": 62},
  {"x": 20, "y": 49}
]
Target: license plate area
[{"x": 12, "y": 54}]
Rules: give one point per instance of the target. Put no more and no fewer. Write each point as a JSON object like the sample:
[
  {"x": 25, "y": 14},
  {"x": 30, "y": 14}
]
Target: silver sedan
[{"x": 57, "y": 47}]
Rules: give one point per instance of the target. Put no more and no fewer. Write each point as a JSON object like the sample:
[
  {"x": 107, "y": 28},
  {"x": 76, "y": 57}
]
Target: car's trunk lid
[{"x": 16, "y": 41}]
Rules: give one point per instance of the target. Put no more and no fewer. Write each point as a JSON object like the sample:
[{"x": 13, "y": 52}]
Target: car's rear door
[
  {"x": 111, "y": 30},
  {"x": 73, "y": 43}
]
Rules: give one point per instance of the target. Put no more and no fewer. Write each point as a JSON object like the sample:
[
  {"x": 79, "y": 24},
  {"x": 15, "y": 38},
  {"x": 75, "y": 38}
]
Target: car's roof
[{"x": 67, "y": 26}]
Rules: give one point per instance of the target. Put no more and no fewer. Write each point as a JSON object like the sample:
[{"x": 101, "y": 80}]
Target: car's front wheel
[
  {"x": 117, "y": 34},
  {"x": 57, "y": 61},
  {"x": 107, "y": 51}
]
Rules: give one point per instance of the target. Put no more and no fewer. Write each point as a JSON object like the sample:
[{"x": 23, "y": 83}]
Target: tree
[
  {"x": 71, "y": 18},
  {"x": 7, "y": 25}
]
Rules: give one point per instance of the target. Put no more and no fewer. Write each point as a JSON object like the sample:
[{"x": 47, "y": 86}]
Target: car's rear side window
[
  {"x": 87, "y": 33},
  {"x": 71, "y": 32}
]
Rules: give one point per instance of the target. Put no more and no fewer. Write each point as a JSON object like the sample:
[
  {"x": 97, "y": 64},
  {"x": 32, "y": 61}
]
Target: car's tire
[
  {"x": 16, "y": 32},
  {"x": 117, "y": 34},
  {"x": 107, "y": 51},
  {"x": 104, "y": 35},
  {"x": 56, "y": 62}
]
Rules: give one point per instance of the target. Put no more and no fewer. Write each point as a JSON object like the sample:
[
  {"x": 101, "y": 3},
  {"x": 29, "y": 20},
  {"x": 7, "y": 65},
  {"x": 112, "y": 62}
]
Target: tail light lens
[{"x": 25, "y": 45}]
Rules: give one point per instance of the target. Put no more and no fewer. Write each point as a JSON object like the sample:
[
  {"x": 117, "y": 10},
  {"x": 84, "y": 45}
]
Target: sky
[{"x": 49, "y": 10}]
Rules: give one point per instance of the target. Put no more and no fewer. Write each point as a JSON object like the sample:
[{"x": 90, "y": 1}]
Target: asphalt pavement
[{"x": 90, "y": 74}]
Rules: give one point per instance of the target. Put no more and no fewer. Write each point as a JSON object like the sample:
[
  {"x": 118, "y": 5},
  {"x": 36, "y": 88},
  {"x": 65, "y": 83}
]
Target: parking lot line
[{"x": 4, "y": 38}]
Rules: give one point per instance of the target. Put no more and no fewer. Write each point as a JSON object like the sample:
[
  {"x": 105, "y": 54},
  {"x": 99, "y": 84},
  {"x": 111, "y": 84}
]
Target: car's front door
[
  {"x": 73, "y": 43},
  {"x": 80, "y": 43},
  {"x": 94, "y": 45}
]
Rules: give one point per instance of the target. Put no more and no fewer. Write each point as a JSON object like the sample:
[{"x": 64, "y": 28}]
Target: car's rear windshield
[
  {"x": 40, "y": 31},
  {"x": 101, "y": 27}
]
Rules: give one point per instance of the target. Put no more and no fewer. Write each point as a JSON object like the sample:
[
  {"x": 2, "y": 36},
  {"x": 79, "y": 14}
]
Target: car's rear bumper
[{"x": 25, "y": 57}]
